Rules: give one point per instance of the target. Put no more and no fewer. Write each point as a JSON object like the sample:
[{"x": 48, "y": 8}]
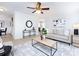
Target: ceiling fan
[{"x": 38, "y": 8}]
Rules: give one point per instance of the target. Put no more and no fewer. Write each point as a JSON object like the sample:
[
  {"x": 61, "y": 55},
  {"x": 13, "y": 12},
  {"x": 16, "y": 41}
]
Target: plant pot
[{"x": 43, "y": 36}]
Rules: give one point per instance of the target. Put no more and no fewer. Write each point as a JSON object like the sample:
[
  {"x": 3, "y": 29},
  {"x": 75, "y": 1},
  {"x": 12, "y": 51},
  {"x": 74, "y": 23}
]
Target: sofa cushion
[
  {"x": 59, "y": 37},
  {"x": 66, "y": 32},
  {"x": 61, "y": 32}
]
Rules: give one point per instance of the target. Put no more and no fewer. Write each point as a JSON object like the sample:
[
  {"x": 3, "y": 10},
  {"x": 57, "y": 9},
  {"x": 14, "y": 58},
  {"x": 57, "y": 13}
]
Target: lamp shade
[{"x": 76, "y": 26}]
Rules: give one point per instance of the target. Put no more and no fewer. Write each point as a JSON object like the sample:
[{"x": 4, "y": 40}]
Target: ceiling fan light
[{"x": 38, "y": 12}]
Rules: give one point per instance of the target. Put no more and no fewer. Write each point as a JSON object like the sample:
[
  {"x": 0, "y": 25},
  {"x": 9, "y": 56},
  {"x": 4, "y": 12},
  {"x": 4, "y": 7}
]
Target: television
[{"x": 76, "y": 32}]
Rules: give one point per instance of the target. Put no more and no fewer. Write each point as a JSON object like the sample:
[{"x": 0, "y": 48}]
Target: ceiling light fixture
[
  {"x": 38, "y": 8},
  {"x": 38, "y": 11}
]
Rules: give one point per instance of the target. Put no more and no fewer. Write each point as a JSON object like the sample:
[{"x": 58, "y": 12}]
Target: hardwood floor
[{"x": 9, "y": 38}]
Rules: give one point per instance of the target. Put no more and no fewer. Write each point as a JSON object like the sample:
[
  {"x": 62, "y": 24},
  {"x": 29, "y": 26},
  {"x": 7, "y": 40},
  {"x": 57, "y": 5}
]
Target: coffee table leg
[
  {"x": 33, "y": 42},
  {"x": 54, "y": 49},
  {"x": 53, "y": 52}
]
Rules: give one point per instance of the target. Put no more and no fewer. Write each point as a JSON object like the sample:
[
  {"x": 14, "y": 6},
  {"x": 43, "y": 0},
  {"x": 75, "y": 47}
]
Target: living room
[{"x": 56, "y": 24}]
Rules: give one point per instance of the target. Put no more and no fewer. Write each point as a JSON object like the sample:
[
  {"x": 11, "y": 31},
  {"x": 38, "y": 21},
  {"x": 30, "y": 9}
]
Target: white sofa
[{"x": 61, "y": 35}]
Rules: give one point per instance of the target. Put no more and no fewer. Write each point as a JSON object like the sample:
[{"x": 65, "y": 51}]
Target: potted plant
[{"x": 44, "y": 32}]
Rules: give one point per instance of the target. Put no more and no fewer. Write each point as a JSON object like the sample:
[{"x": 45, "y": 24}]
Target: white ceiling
[
  {"x": 21, "y": 6},
  {"x": 17, "y": 6}
]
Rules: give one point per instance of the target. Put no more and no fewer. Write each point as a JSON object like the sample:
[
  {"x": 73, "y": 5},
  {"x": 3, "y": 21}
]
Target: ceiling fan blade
[
  {"x": 34, "y": 11},
  {"x": 31, "y": 7},
  {"x": 41, "y": 12},
  {"x": 45, "y": 8}
]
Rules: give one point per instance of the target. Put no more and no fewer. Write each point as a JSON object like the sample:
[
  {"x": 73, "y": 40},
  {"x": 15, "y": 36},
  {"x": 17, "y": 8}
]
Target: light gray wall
[
  {"x": 19, "y": 24},
  {"x": 65, "y": 11}
]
